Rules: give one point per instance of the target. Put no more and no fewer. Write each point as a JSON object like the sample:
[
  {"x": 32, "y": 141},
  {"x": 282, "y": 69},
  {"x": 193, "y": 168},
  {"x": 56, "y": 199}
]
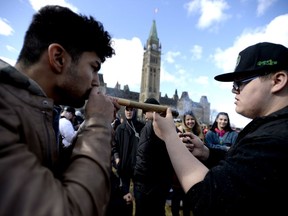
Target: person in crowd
[
  {"x": 221, "y": 135},
  {"x": 153, "y": 170},
  {"x": 116, "y": 121},
  {"x": 205, "y": 128},
  {"x": 78, "y": 119},
  {"x": 57, "y": 65},
  {"x": 66, "y": 128},
  {"x": 66, "y": 135},
  {"x": 189, "y": 124},
  {"x": 117, "y": 204},
  {"x": 250, "y": 178},
  {"x": 124, "y": 149}
]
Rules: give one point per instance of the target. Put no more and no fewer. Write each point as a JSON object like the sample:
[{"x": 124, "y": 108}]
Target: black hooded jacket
[{"x": 153, "y": 167}]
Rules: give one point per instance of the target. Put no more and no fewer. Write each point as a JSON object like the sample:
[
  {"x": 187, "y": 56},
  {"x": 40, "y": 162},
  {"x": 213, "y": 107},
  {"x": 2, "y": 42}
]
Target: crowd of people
[
  {"x": 56, "y": 162},
  {"x": 142, "y": 175}
]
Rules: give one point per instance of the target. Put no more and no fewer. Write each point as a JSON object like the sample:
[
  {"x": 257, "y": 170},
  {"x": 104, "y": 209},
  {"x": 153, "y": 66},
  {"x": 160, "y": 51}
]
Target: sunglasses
[{"x": 238, "y": 84}]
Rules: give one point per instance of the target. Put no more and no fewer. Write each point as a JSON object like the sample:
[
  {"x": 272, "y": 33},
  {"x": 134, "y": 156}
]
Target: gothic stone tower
[{"x": 150, "y": 80}]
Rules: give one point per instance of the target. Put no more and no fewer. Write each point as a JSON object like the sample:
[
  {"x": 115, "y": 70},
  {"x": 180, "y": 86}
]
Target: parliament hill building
[{"x": 150, "y": 85}]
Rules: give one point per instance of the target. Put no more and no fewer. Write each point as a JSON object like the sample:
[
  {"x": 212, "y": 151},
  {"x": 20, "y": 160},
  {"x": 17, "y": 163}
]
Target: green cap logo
[{"x": 269, "y": 62}]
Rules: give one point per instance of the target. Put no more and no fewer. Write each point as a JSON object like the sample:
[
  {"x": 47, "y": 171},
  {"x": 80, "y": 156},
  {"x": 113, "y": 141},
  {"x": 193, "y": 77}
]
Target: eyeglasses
[{"x": 238, "y": 84}]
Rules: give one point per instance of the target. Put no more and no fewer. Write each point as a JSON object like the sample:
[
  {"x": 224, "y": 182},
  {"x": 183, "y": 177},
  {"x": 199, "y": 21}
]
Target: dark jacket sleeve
[{"x": 215, "y": 156}]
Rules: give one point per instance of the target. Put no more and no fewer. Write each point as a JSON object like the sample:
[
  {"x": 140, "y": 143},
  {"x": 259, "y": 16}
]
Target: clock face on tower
[{"x": 154, "y": 46}]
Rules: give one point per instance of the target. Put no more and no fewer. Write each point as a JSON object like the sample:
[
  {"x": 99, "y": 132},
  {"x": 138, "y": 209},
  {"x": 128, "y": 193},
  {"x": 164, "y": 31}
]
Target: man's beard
[{"x": 76, "y": 102}]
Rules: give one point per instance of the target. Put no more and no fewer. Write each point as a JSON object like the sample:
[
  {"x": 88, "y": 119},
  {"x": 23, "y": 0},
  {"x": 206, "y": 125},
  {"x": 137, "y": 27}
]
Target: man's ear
[
  {"x": 56, "y": 55},
  {"x": 280, "y": 80}
]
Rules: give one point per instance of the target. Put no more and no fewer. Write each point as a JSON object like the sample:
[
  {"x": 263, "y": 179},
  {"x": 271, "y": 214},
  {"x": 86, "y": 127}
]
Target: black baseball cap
[
  {"x": 151, "y": 101},
  {"x": 258, "y": 59}
]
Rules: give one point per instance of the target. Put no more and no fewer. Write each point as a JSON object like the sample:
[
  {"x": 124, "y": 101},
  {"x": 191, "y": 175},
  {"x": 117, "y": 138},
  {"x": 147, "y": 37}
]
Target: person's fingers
[
  {"x": 169, "y": 112},
  {"x": 115, "y": 102}
]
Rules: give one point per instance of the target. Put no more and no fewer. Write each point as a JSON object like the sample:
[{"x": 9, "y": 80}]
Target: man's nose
[{"x": 96, "y": 81}]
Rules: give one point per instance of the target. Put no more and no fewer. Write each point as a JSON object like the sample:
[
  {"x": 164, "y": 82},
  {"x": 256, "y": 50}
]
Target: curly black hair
[{"x": 75, "y": 32}]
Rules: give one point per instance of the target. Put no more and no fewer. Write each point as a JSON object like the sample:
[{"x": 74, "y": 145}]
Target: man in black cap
[
  {"x": 251, "y": 178},
  {"x": 153, "y": 170},
  {"x": 124, "y": 149}
]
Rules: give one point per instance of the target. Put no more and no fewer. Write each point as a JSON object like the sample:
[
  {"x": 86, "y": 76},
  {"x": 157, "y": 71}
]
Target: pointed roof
[{"x": 153, "y": 32}]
